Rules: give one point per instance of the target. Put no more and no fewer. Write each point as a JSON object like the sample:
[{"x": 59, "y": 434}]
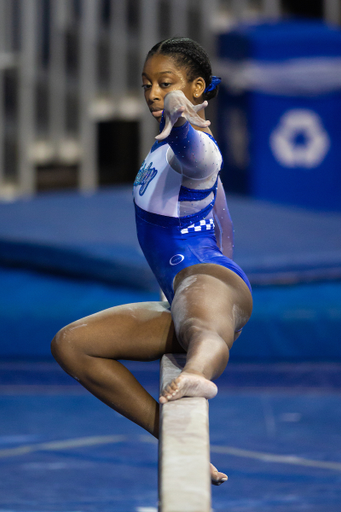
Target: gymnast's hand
[{"x": 177, "y": 105}]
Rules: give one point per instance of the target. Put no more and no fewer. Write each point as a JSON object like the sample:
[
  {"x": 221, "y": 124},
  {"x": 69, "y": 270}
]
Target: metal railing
[{"x": 66, "y": 65}]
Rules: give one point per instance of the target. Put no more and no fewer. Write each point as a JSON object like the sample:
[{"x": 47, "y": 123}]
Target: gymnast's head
[{"x": 173, "y": 64}]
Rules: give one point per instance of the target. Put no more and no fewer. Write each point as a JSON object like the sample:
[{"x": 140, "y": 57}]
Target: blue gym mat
[
  {"x": 65, "y": 255},
  {"x": 94, "y": 236},
  {"x": 275, "y": 430},
  {"x": 288, "y": 323}
]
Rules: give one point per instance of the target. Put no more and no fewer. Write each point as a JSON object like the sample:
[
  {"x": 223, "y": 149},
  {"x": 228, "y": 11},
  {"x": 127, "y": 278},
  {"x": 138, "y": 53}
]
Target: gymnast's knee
[{"x": 66, "y": 347}]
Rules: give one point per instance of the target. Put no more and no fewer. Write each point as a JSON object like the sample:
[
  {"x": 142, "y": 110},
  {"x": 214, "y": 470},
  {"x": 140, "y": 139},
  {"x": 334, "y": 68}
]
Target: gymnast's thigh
[
  {"x": 142, "y": 331},
  {"x": 215, "y": 295}
]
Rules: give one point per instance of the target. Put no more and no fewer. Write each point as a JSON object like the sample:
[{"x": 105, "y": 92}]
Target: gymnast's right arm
[
  {"x": 196, "y": 153},
  {"x": 198, "y": 158}
]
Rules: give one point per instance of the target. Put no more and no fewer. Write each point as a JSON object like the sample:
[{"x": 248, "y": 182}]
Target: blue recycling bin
[{"x": 279, "y": 112}]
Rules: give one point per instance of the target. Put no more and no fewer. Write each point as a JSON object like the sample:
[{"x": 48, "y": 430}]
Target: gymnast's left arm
[
  {"x": 223, "y": 226},
  {"x": 196, "y": 153}
]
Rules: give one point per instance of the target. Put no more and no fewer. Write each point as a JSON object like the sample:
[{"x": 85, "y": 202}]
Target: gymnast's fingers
[
  {"x": 201, "y": 106},
  {"x": 170, "y": 120},
  {"x": 166, "y": 130},
  {"x": 198, "y": 121}
]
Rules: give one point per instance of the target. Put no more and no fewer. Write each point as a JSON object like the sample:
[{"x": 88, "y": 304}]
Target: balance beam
[{"x": 184, "y": 448}]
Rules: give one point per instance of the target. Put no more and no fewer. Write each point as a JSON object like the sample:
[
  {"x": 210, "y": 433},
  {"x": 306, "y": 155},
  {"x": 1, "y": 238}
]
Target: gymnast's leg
[
  {"x": 211, "y": 304},
  {"x": 90, "y": 348}
]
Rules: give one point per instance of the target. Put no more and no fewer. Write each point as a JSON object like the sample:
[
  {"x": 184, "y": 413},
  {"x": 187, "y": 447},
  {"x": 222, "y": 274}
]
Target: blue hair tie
[{"x": 215, "y": 80}]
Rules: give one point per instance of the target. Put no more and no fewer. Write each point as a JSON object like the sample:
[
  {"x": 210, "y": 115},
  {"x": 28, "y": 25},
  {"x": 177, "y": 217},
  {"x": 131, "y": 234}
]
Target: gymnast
[{"x": 186, "y": 234}]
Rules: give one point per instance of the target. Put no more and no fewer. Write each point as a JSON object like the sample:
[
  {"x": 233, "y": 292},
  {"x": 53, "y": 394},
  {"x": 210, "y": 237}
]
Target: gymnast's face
[{"x": 162, "y": 75}]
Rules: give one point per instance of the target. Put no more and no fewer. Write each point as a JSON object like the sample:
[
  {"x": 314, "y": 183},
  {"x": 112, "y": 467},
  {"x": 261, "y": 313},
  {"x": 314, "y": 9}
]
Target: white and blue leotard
[{"x": 174, "y": 194}]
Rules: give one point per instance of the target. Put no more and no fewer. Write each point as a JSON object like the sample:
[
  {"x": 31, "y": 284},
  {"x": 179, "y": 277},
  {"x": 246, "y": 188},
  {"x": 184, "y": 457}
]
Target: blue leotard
[{"x": 174, "y": 195}]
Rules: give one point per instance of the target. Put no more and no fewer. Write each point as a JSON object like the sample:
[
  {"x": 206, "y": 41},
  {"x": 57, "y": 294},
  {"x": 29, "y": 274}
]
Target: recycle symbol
[{"x": 300, "y": 139}]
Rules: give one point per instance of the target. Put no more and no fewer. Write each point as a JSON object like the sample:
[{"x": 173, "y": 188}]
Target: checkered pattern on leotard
[{"x": 201, "y": 225}]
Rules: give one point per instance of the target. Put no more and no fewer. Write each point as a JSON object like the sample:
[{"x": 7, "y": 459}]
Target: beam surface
[{"x": 184, "y": 448}]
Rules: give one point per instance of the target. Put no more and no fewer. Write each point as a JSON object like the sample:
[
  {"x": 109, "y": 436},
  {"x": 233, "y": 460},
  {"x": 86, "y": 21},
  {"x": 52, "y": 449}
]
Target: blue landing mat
[
  {"x": 87, "y": 257},
  {"x": 94, "y": 236},
  {"x": 61, "y": 450},
  {"x": 298, "y": 322}
]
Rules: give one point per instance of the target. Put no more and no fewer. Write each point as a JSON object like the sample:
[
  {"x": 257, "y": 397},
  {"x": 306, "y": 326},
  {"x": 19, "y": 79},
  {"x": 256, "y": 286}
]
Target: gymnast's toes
[
  {"x": 217, "y": 478},
  {"x": 188, "y": 384},
  {"x": 170, "y": 391}
]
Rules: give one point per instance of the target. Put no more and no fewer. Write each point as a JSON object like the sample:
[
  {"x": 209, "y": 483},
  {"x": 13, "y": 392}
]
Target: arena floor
[{"x": 275, "y": 430}]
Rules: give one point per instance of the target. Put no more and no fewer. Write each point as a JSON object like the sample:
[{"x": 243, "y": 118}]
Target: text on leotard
[{"x": 144, "y": 177}]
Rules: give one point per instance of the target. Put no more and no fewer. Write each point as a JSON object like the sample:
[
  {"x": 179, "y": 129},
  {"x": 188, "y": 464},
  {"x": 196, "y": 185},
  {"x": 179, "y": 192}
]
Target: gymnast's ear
[{"x": 198, "y": 87}]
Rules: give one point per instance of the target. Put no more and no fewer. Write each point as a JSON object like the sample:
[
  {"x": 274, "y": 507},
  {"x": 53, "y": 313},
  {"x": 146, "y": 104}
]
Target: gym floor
[
  {"x": 275, "y": 427},
  {"x": 275, "y": 430}
]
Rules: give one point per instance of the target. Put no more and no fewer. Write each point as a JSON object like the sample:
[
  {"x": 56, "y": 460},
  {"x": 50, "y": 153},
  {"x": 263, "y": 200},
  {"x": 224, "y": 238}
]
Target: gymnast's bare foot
[
  {"x": 188, "y": 384},
  {"x": 217, "y": 478}
]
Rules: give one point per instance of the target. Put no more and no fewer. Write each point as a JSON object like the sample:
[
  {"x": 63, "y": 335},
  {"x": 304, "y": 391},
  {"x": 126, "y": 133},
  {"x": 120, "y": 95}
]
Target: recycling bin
[{"x": 279, "y": 112}]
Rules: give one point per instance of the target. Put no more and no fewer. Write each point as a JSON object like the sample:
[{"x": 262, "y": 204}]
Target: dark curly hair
[{"x": 189, "y": 54}]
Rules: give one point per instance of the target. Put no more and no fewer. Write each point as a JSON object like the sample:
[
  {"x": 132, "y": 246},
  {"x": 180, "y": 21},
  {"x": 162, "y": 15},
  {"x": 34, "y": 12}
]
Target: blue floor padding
[
  {"x": 34, "y": 306},
  {"x": 94, "y": 236},
  {"x": 325, "y": 377},
  {"x": 280, "y": 443},
  {"x": 299, "y": 322},
  {"x": 66, "y": 255}
]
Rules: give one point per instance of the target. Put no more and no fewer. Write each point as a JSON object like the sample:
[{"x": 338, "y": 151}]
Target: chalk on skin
[{"x": 184, "y": 448}]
